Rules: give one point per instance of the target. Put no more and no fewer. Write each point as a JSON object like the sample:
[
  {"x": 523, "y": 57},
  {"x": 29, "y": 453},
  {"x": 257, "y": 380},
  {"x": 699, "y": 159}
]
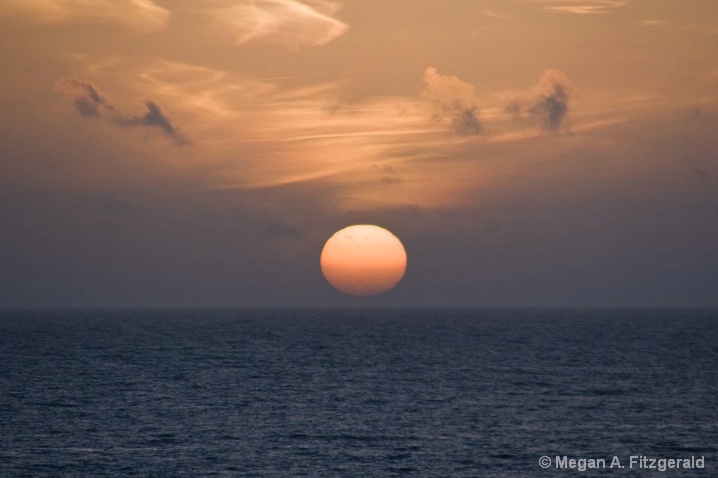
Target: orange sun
[{"x": 363, "y": 260}]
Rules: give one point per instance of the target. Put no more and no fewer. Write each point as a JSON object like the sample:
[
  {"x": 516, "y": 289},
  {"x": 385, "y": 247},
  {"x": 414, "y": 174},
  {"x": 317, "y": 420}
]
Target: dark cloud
[
  {"x": 700, "y": 172},
  {"x": 154, "y": 118},
  {"x": 551, "y": 106},
  {"x": 280, "y": 230},
  {"x": 90, "y": 102},
  {"x": 114, "y": 206},
  {"x": 514, "y": 108},
  {"x": 106, "y": 204},
  {"x": 88, "y": 98},
  {"x": 493, "y": 225},
  {"x": 390, "y": 180},
  {"x": 464, "y": 121},
  {"x": 389, "y": 176},
  {"x": 450, "y": 98},
  {"x": 702, "y": 116}
]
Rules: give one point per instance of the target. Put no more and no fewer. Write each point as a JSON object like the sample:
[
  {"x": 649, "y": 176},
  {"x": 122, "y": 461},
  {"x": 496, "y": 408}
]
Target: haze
[{"x": 526, "y": 153}]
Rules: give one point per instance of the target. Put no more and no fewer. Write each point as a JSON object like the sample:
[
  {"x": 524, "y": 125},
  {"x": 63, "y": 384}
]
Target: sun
[{"x": 363, "y": 260}]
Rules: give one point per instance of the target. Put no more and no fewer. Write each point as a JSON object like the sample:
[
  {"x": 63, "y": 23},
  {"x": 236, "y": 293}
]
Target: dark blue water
[{"x": 345, "y": 393}]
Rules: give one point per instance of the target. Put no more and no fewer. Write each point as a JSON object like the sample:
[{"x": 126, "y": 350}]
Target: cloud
[
  {"x": 451, "y": 98},
  {"x": 90, "y": 102},
  {"x": 139, "y": 14},
  {"x": 548, "y": 103},
  {"x": 551, "y": 106},
  {"x": 88, "y": 98},
  {"x": 582, "y": 7},
  {"x": 497, "y": 15},
  {"x": 154, "y": 118},
  {"x": 390, "y": 176},
  {"x": 107, "y": 204},
  {"x": 280, "y": 230},
  {"x": 288, "y": 22},
  {"x": 653, "y": 23}
]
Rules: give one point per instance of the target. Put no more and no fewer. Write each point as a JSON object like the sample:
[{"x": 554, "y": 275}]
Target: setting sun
[{"x": 363, "y": 260}]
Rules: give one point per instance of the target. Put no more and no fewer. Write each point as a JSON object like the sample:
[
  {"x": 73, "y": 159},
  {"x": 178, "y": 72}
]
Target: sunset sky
[{"x": 200, "y": 153}]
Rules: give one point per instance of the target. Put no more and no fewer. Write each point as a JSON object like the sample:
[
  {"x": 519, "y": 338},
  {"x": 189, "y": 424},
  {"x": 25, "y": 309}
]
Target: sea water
[{"x": 357, "y": 393}]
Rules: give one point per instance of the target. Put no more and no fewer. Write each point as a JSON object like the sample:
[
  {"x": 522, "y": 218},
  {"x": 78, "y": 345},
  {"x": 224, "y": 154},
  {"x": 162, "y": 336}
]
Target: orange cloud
[
  {"x": 582, "y": 7},
  {"x": 287, "y": 22},
  {"x": 452, "y": 98},
  {"x": 139, "y": 14}
]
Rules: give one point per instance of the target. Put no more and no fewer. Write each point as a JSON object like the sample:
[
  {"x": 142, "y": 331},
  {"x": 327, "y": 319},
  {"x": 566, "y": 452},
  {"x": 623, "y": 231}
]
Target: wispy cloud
[
  {"x": 253, "y": 134},
  {"x": 90, "y": 102},
  {"x": 497, "y": 15},
  {"x": 287, "y": 22},
  {"x": 581, "y": 7},
  {"x": 139, "y": 14},
  {"x": 653, "y": 23},
  {"x": 260, "y": 134}
]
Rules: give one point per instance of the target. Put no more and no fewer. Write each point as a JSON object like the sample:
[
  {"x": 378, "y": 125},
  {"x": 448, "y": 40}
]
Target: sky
[{"x": 175, "y": 153}]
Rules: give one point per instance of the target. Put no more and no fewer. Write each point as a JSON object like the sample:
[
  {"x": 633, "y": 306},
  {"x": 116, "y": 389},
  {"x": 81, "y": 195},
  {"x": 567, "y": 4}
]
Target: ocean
[{"x": 359, "y": 393}]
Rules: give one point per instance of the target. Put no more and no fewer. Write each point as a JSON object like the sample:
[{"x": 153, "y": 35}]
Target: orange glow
[{"x": 363, "y": 260}]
